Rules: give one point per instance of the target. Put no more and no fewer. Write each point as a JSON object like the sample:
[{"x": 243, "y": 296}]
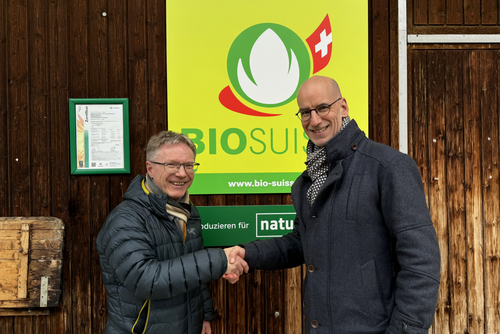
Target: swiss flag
[{"x": 320, "y": 44}]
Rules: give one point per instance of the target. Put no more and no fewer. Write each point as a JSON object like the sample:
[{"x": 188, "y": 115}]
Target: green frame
[{"x": 73, "y": 103}]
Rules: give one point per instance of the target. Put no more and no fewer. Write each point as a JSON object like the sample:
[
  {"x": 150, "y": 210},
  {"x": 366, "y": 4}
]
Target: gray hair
[{"x": 168, "y": 138}]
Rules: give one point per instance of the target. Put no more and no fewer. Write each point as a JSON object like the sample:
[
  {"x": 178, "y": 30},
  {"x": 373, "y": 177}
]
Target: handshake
[{"x": 236, "y": 264}]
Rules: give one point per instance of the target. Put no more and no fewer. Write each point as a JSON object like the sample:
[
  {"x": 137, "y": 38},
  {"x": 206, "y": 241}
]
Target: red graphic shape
[
  {"x": 228, "y": 100},
  {"x": 320, "y": 44}
]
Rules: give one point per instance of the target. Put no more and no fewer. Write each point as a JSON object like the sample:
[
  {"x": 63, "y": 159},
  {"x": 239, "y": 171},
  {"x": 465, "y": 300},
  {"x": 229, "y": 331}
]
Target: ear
[
  {"x": 344, "y": 109},
  {"x": 149, "y": 168}
]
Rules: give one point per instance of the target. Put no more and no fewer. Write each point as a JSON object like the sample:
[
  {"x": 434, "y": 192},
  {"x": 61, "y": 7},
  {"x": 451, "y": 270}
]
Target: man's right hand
[{"x": 236, "y": 264}]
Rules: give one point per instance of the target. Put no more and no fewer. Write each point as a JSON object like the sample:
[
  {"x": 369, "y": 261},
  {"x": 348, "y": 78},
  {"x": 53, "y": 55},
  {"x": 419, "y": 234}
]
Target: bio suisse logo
[{"x": 268, "y": 62}]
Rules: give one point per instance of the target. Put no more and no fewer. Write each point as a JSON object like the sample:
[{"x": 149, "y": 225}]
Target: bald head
[{"x": 316, "y": 82}]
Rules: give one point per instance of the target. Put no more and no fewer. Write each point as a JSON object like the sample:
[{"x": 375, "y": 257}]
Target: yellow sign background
[{"x": 199, "y": 36}]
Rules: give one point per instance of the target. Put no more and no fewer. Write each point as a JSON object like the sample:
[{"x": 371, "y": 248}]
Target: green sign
[{"x": 232, "y": 225}]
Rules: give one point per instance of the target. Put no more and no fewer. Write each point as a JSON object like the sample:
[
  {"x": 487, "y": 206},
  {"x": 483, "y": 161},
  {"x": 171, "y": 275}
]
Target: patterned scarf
[
  {"x": 317, "y": 165},
  {"x": 175, "y": 209}
]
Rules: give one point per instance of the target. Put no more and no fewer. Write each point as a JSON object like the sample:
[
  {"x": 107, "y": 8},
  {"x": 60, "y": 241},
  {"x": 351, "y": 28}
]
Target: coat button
[
  {"x": 354, "y": 147},
  {"x": 402, "y": 327},
  {"x": 310, "y": 268},
  {"x": 314, "y": 324}
]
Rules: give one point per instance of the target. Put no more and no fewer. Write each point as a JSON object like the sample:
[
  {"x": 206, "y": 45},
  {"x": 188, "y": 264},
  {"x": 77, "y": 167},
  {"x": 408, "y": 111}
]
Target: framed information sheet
[{"x": 99, "y": 136}]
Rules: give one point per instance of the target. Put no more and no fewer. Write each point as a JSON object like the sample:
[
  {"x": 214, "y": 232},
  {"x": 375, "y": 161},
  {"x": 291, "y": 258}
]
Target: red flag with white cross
[{"x": 320, "y": 44}]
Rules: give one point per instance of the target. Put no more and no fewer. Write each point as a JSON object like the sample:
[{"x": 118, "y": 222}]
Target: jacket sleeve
[
  {"x": 208, "y": 306},
  {"x": 132, "y": 259},
  {"x": 277, "y": 253},
  {"x": 407, "y": 217}
]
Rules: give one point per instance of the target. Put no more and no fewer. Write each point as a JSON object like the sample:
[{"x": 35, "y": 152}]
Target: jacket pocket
[{"x": 372, "y": 291}]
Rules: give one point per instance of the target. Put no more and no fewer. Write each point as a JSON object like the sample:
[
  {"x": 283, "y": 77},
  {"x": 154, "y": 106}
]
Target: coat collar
[{"x": 344, "y": 143}]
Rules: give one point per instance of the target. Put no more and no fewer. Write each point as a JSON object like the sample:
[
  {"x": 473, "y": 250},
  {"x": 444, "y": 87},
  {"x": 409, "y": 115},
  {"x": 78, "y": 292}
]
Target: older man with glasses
[
  {"x": 153, "y": 263},
  {"x": 362, "y": 228}
]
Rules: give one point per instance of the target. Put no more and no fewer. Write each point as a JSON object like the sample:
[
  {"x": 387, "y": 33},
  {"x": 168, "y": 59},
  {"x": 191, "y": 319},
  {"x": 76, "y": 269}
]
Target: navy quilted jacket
[{"x": 143, "y": 257}]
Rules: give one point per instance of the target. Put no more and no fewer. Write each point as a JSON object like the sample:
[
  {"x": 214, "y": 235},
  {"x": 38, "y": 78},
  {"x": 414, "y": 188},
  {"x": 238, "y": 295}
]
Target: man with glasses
[
  {"x": 153, "y": 263},
  {"x": 362, "y": 228}
]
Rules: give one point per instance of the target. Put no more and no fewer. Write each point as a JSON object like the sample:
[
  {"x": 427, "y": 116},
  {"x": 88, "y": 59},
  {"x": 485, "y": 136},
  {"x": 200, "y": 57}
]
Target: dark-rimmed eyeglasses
[
  {"x": 171, "y": 168},
  {"x": 322, "y": 110}
]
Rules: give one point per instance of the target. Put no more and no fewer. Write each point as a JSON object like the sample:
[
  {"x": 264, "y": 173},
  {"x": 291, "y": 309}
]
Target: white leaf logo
[{"x": 276, "y": 76}]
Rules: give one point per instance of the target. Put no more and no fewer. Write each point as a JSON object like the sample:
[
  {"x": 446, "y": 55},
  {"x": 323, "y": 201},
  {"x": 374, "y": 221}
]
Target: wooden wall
[
  {"x": 454, "y": 138},
  {"x": 54, "y": 50}
]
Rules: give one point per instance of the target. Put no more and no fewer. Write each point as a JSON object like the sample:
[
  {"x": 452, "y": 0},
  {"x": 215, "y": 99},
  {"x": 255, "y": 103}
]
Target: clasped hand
[{"x": 236, "y": 265}]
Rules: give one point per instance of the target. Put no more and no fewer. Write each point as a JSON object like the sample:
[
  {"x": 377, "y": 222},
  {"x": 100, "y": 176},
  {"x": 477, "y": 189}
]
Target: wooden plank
[
  {"x": 30, "y": 302},
  {"x": 419, "y": 13},
  {"x": 137, "y": 73},
  {"x": 99, "y": 63},
  {"x": 420, "y": 116},
  {"x": 23, "y": 312},
  {"x": 462, "y": 29},
  {"x": 293, "y": 300},
  {"x": 46, "y": 254},
  {"x": 9, "y": 244},
  {"x": 472, "y": 12},
  {"x": 157, "y": 75},
  {"x": 8, "y": 282},
  {"x": 489, "y": 12},
  {"x": 48, "y": 244},
  {"x": 473, "y": 209},
  {"x": 23, "y": 325},
  {"x": 236, "y": 293},
  {"x": 380, "y": 75},
  {"x": 118, "y": 65},
  {"x": 80, "y": 188},
  {"x": 22, "y": 280},
  {"x": 45, "y": 268},
  {"x": 256, "y": 303},
  {"x": 100, "y": 210},
  {"x": 4, "y": 118},
  {"x": 275, "y": 308},
  {"x": 437, "y": 12},
  {"x": 18, "y": 97},
  {"x": 418, "y": 146},
  {"x": 98, "y": 48},
  {"x": 10, "y": 235},
  {"x": 61, "y": 319},
  {"x": 36, "y": 223},
  {"x": 236, "y": 316},
  {"x": 219, "y": 299},
  {"x": 39, "y": 108},
  {"x": 41, "y": 235},
  {"x": 99, "y": 205},
  {"x": 12, "y": 254},
  {"x": 19, "y": 121},
  {"x": 437, "y": 184},
  {"x": 455, "y": 179},
  {"x": 455, "y": 12},
  {"x": 490, "y": 137}
]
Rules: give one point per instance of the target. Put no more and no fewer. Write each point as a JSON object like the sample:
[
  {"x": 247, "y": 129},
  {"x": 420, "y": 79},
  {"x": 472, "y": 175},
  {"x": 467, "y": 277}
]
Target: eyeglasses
[
  {"x": 171, "y": 168},
  {"x": 322, "y": 110}
]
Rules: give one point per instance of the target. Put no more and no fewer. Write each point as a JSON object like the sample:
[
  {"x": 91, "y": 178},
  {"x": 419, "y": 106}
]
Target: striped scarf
[{"x": 175, "y": 210}]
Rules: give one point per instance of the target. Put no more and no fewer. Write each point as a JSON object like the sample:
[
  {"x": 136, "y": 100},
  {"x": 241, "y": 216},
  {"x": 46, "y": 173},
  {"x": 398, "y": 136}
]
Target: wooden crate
[{"x": 31, "y": 250}]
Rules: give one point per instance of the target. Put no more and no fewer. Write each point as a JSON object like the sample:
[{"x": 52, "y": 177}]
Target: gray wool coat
[
  {"x": 368, "y": 242},
  {"x": 143, "y": 257}
]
